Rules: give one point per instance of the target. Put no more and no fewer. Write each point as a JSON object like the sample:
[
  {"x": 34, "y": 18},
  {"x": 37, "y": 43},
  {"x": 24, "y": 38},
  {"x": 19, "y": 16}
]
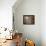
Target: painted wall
[
  {"x": 28, "y": 7},
  {"x": 6, "y": 13},
  {"x": 43, "y": 22}
]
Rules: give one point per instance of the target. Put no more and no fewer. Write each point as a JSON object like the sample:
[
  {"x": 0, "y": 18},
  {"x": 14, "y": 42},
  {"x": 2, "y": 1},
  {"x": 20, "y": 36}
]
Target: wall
[
  {"x": 6, "y": 13},
  {"x": 43, "y": 22},
  {"x": 28, "y": 7}
]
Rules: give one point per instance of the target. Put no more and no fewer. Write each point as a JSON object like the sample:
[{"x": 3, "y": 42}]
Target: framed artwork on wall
[{"x": 28, "y": 19}]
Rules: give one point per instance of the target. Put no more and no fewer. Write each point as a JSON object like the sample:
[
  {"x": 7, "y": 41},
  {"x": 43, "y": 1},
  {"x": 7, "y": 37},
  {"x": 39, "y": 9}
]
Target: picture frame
[{"x": 28, "y": 19}]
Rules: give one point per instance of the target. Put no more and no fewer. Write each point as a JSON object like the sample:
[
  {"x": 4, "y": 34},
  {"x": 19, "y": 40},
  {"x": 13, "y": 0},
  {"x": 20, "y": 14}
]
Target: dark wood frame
[{"x": 28, "y": 19}]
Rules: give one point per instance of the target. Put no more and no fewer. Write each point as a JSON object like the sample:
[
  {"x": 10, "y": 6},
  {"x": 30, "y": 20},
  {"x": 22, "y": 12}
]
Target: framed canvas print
[{"x": 29, "y": 19}]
